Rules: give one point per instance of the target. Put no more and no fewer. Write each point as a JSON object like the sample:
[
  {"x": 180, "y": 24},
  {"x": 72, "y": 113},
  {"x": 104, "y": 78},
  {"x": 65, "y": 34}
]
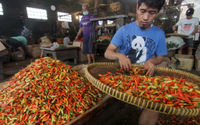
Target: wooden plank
[
  {"x": 83, "y": 118},
  {"x": 3, "y": 84}
]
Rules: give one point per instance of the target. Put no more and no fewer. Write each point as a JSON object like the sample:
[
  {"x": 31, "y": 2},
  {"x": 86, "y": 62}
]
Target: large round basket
[{"x": 92, "y": 71}]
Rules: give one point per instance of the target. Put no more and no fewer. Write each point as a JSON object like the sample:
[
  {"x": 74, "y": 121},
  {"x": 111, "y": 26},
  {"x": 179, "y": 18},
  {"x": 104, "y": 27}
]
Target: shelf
[
  {"x": 108, "y": 25},
  {"x": 109, "y": 17}
]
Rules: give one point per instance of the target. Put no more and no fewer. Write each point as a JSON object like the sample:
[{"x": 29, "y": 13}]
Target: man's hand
[
  {"x": 78, "y": 34},
  {"x": 124, "y": 62},
  {"x": 76, "y": 38},
  {"x": 150, "y": 67}
]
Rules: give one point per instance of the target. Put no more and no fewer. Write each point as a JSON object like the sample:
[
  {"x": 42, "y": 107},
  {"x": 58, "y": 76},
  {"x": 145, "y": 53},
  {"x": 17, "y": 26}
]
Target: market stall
[{"x": 47, "y": 89}]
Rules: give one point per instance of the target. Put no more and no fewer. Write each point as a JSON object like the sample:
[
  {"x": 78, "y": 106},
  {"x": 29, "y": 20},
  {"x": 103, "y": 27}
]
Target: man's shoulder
[
  {"x": 87, "y": 17},
  {"x": 155, "y": 28},
  {"x": 195, "y": 18},
  {"x": 183, "y": 20},
  {"x": 91, "y": 16},
  {"x": 130, "y": 25}
]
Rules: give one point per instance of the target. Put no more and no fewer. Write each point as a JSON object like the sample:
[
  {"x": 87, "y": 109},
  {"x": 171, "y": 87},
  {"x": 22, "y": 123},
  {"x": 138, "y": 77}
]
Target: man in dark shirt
[{"x": 14, "y": 45}]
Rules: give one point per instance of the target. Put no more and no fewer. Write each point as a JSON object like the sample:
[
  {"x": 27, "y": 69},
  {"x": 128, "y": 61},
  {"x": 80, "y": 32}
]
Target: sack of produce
[{"x": 45, "y": 42}]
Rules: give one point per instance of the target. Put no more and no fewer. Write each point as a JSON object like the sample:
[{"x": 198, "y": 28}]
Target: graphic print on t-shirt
[
  {"x": 187, "y": 27},
  {"x": 139, "y": 49}
]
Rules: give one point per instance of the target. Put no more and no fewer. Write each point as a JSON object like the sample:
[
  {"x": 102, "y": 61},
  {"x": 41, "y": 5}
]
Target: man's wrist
[{"x": 151, "y": 61}]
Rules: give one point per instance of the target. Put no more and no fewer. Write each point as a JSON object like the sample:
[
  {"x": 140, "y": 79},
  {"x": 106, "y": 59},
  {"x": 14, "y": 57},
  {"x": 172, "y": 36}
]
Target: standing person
[
  {"x": 27, "y": 33},
  {"x": 140, "y": 42},
  {"x": 86, "y": 26},
  {"x": 66, "y": 40},
  {"x": 188, "y": 26}
]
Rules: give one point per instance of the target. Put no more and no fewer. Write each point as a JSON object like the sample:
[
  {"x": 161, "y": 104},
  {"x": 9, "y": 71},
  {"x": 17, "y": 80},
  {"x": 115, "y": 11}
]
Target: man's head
[
  {"x": 189, "y": 13},
  {"x": 147, "y": 10},
  {"x": 85, "y": 8}
]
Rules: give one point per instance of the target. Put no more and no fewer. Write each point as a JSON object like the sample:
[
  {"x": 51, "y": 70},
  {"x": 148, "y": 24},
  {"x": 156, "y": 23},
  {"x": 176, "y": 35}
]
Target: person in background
[
  {"x": 86, "y": 27},
  {"x": 26, "y": 32},
  {"x": 21, "y": 39},
  {"x": 66, "y": 40},
  {"x": 189, "y": 27},
  {"x": 140, "y": 42},
  {"x": 16, "y": 43}
]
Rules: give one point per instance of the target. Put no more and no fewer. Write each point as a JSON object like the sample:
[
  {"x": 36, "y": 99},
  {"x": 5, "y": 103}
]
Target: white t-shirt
[
  {"x": 66, "y": 41},
  {"x": 187, "y": 26}
]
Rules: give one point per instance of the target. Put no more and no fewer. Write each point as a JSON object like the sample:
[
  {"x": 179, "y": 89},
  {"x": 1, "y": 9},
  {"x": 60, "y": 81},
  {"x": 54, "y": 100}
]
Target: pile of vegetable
[
  {"x": 172, "y": 91},
  {"x": 46, "y": 92},
  {"x": 104, "y": 39}
]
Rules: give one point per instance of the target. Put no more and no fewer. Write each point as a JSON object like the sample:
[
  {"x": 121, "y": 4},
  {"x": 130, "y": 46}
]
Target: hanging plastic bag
[{"x": 174, "y": 42}]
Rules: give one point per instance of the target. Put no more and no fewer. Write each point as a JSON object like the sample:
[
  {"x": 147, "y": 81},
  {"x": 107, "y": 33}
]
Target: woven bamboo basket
[{"x": 92, "y": 71}]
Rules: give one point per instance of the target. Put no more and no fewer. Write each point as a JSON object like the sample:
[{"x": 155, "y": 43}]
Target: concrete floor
[{"x": 117, "y": 113}]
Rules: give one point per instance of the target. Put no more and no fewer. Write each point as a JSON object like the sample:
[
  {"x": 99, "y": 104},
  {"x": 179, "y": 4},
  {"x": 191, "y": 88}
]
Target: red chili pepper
[
  {"x": 46, "y": 92},
  {"x": 163, "y": 89}
]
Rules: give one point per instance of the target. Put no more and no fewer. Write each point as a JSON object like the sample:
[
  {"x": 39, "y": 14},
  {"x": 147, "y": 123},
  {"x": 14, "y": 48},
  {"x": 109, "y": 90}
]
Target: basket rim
[{"x": 142, "y": 103}]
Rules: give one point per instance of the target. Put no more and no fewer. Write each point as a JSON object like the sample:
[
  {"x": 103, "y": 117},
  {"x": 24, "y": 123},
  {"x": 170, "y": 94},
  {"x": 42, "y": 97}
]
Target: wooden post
[
  {"x": 1, "y": 71},
  {"x": 96, "y": 2}
]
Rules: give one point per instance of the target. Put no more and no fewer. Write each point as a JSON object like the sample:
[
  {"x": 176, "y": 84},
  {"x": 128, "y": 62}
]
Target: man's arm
[
  {"x": 21, "y": 50},
  {"x": 160, "y": 51},
  {"x": 195, "y": 30},
  {"x": 156, "y": 60},
  {"x": 150, "y": 64},
  {"x": 79, "y": 33},
  {"x": 174, "y": 27},
  {"x": 111, "y": 54}
]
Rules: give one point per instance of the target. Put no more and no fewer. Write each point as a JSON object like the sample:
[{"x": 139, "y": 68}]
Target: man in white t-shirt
[
  {"x": 66, "y": 40},
  {"x": 188, "y": 26}
]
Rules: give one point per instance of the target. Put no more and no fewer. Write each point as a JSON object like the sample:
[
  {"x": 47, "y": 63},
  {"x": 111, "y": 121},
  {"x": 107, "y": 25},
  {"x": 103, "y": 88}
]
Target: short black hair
[
  {"x": 190, "y": 12},
  {"x": 158, "y": 4}
]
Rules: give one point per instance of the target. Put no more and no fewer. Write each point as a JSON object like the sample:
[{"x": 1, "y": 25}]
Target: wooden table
[{"x": 63, "y": 53}]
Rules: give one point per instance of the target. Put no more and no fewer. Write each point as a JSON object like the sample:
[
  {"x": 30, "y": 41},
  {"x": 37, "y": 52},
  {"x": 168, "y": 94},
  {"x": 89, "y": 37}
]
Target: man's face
[
  {"x": 145, "y": 16},
  {"x": 84, "y": 7},
  {"x": 189, "y": 16}
]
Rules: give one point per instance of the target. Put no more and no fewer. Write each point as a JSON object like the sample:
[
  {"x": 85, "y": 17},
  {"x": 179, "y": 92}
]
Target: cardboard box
[
  {"x": 186, "y": 61},
  {"x": 36, "y": 52},
  {"x": 33, "y": 50},
  {"x": 2, "y": 47},
  {"x": 197, "y": 63}
]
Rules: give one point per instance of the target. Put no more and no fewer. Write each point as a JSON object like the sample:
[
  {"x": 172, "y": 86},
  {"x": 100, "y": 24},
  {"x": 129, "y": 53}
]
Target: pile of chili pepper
[
  {"x": 46, "y": 92},
  {"x": 177, "y": 120},
  {"x": 172, "y": 91}
]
